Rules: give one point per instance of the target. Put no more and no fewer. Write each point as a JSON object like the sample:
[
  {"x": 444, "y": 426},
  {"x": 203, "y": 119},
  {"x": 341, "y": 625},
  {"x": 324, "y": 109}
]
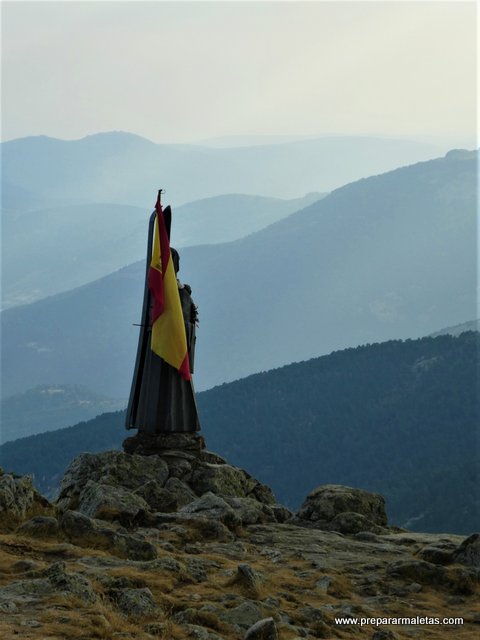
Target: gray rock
[
  {"x": 262, "y": 630},
  {"x": 197, "y": 568},
  {"x": 39, "y": 527},
  {"x": 166, "y": 563},
  {"x": 244, "y": 616},
  {"x": 326, "y": 502},
  {"x": 350, "y": 522},
  {"x": 213, "y": 458},
  {"x": 436, "y": 555},
  {"x": 213, "y": 507},
  {"x": 418, "y": 571},
  {"x": 85, "y": 532},
  {"x": 281, "y": 513},
  {"x": 182, "y": 492},
  {"x": 251, "y": 511},
  {"x": 248, "y": 578},
  {"x": 134, "y": 602},
  {"x": 366, "y": 536},
  {"x": 134, "y": 547},
  {"x": 179, "y": 464},
  {"x": 463, "y": 580},
  {"x": 225, "y": 480},
  {"x": 324, "y": 583},
  {"x": 21, "y": 591},
  {"x": 158, "y": 498},
  {"x": 113, "y": 468},
  {"x": 70, "y": 583},
  {"x": 8, "y": 606},
  {"x": 220, "y": 479},
  {"x": 107, "y": 502},
  {"x": 18, "y": 497},
  {"x": 468, "y": 553},
  {"x": 152, "y": 444}
]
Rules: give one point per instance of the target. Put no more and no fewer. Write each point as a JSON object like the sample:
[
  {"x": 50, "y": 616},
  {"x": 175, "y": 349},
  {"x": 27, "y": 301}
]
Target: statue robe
[{"x": 166, "y": 402}]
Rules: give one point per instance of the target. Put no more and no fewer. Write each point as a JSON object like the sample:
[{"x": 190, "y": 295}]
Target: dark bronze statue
[{"x": 162, "y": 403}]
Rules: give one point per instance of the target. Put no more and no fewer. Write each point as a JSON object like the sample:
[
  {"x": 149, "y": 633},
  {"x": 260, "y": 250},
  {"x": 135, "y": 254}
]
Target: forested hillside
[{"x": 399, "y": 417}]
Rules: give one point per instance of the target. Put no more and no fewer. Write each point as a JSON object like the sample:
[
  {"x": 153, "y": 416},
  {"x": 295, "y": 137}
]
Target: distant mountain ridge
[
  {"x": 399, "y": 418},
  {"x": 76, "y": 244},
  {"x": 472, "y": 325},
  {"x": 51, "y": 407},
  {"x": 392, "y": 256},
  {"x": 118, "y": 167}
]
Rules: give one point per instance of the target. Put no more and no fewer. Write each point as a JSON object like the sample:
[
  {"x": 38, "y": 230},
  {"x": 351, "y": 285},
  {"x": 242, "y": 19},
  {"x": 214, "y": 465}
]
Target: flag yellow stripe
[{"x": 168, "y": 331}]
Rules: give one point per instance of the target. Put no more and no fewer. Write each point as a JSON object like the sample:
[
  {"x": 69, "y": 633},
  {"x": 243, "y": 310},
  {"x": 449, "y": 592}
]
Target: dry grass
[{"x": 292, "y": 584}]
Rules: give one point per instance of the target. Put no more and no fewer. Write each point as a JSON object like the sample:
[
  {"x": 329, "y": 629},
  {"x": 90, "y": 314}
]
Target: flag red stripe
[
  {"x": 155, "y": 277},
  {"x": 185, "y": 369},
  {"x": 155, "y": 284}
]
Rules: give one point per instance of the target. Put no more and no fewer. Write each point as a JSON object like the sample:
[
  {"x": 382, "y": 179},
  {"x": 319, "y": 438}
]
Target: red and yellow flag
[{"x": 169, "y": 340}]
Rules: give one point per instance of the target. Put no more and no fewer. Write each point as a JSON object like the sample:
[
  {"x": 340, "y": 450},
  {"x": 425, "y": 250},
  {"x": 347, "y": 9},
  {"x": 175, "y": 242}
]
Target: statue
[{"x": 162, "y": 403}]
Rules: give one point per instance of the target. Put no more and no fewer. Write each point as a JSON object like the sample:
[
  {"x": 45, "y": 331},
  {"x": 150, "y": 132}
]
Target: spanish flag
[{"x": 169, "y": 340}]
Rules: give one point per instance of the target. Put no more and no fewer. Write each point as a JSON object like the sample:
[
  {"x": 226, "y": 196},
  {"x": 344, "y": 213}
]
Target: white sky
[{"x": 186, "y": 71}]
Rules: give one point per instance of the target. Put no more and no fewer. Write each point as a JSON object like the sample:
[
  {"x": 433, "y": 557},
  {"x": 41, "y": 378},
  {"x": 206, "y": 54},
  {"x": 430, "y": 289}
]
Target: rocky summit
[{"x": 173, "y": 542}]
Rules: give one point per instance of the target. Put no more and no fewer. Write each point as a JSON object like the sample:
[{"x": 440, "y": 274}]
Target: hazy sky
[{"x": 186, "y": 71}]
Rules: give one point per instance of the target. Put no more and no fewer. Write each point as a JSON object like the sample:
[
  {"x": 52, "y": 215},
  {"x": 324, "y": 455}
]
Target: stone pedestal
[{"x": 148, "y": 444}]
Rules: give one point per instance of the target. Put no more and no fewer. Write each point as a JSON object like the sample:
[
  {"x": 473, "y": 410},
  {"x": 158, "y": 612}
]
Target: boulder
[
  {"x": 18, "y": 498},
  {"x": 418, "y": 571},
  {"x": 131, "y": 488},
  {"x": 112, "y": 468},
  {"x": 350, "y": 522},
  {"x": 345, "y": 509},
  {"x": 248, "y": 579},
  {"x": 262, "y": 630},
  {"x": 221, "y": 479},
  {"x": 86, "y": 532},
  {"x": 437, "y": 553},
  {"x": 40, "y": 527},
  {"x": 212, "y": 507},
  {"x": 251, "y": 511},
  {"x": 468, "y": 553},
  {"x": 108, "y": 502},
  {"x": 158, "y": 498},
  {"x": 72, "y": 584},
  {"x": 151, "y": 444},
  {"x": 180, "y": 490},
  {"x": 134, "y": 603},
  {"x": 244, "y": 616}
]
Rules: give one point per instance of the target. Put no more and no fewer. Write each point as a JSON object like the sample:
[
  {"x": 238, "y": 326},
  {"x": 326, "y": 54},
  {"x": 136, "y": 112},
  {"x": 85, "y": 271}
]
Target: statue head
[{"x": 175, "y": 259}]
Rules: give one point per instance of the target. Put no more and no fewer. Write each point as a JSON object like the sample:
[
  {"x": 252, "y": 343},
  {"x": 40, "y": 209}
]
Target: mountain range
[
  {"x": 119, "y": 167},
  {"x": 55, "y": 249},
  {"x": 390, "y": 256},
  {"x": 50, "y": 407}
]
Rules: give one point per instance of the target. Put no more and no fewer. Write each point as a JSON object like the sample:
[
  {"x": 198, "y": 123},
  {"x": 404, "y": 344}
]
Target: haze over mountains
[
  {"x": 50, "y": 407},
  {"x": 391, "y": 256},
  {"x": 119, "y": 167},
  {"x": 70, "y": 245},
  {"x": 79, "y": 209}
]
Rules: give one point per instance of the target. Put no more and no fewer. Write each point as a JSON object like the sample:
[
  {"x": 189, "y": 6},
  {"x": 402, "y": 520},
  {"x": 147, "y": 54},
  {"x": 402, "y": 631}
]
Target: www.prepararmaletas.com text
[{"x": 420, "y": 620}]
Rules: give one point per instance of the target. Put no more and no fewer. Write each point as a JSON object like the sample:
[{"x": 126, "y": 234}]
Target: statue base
[{"x": 149, "y": 444}]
